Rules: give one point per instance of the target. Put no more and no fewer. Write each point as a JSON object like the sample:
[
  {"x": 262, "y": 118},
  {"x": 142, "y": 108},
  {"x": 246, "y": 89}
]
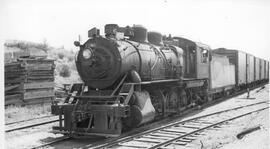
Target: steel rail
[
  {"x": 48, "y": 116},
  {"x": 30, "y": 126},
  {"x": 64, "y": 138},
  {"x": 125, "y": 139},
  {"x": 218, "y": 123},
  {"x": 67, "y": 137},
  {"x": 185, "y": 112}
]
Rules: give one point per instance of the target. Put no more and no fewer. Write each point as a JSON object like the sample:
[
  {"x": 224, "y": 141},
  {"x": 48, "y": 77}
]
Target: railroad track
[
  {"x": 95, "y": 144},
  {"x": 22, "y": 121},
  {"x": 57, "y": 140},
  {"x": 177, "y": 116},
  {"x": 55, "y": 118},
  {"x": 180, "y": 133},
  {"x": 112, "y": 141},
  {"x": 52, "y": 119}
]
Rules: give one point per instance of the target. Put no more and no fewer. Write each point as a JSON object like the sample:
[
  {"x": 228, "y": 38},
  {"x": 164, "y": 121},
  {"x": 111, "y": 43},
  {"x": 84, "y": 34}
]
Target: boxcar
[
  {"x": 262, "y": 69},
  {"x": 222, "y": 73},
  {"x": 257, "y": 69},
  {"x": 239, "y": 59},
  {"x": 250, "y": 68},
  {"x": 267, "y": 70}
]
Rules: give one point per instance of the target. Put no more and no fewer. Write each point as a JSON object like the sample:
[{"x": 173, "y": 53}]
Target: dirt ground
[
  {"x": 29, "y": 137},
  {"x": 224, "y": 138},
  {"x": 19, "y": 113},
  {"x": 258, "y": 139}
]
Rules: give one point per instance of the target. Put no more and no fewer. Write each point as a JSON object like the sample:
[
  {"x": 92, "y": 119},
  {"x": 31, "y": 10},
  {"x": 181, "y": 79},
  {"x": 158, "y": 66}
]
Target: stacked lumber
[
  {"x": 14, "y": 79},
  {"x": 36, "y": 83},
  {"x": 39, "y": 80}
]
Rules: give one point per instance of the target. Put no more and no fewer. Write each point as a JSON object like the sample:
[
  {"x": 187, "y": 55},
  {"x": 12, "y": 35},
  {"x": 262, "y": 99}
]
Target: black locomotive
[{"x": 132, "y": 77}]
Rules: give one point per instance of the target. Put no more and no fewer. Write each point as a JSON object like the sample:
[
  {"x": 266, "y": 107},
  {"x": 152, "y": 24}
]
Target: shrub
[
  {"x": 61, "y": 55},
  {"x": 64, "y": 71},
  {"x": 71, "y": 58},
  {"x": 73, "y": 66},
  {"x": 26, "y": 45}
]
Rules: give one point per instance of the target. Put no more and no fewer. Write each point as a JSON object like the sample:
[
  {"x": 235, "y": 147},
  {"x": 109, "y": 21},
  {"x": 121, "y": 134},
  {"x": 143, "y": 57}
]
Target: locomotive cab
[{"x": 196, "y": 58}]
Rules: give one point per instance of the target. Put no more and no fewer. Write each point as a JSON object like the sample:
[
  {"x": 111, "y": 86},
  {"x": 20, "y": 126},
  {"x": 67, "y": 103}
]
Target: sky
[{"x": 241, "y": 24}]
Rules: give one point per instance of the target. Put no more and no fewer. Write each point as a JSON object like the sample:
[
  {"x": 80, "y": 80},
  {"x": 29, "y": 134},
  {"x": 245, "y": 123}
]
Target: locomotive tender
[{"x": 132, "y": 77}]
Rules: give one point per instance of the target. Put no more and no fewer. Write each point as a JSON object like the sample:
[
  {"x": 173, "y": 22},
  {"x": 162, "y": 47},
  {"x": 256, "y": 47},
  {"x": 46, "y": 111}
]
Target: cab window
[{"x": 204, "y": 55}]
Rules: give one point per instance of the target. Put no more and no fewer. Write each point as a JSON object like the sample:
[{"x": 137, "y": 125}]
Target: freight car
[
  {"x": 262, "y": 69},
  {"x": 267, "y": 71},
  {"x": 250, "y": 70},
  {"x": 257, "y": 70},
  {"x": 132, "y": 77},
  {"x": 239, "y": 59}
]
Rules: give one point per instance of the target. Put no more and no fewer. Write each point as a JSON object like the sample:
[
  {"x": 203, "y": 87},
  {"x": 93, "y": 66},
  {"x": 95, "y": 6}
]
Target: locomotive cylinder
[{"x": 142, "y": 110}]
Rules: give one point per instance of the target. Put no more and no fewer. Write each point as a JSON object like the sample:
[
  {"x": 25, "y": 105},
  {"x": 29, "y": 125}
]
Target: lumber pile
[
  {"x": 14, "y": 79},
  {"x": 29, "y": 81}
]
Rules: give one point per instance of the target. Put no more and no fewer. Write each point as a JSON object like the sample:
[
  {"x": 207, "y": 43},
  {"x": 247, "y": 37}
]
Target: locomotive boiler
[
  {"x": 117, "y": 70},
  {"x": 102, "y": 61}
]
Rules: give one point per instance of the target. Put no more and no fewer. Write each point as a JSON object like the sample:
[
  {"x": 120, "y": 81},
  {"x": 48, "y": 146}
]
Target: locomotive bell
[
  {"x": 142, "y": 109},
  {"x": 155, "y": 38},
  {"x": 140, "y": 34}
]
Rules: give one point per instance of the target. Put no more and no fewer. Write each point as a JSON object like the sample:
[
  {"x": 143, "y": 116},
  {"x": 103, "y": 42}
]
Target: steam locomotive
[{"x": 132, "y": 77}]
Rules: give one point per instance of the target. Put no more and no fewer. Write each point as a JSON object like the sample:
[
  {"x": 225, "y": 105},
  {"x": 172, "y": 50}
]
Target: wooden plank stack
[
  {"x": 33, "y": 81},
  {"x": 14, "y": 79}
]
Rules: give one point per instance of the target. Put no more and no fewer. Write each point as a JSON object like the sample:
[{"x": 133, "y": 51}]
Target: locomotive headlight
[{"x": 87, "y": 53}]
